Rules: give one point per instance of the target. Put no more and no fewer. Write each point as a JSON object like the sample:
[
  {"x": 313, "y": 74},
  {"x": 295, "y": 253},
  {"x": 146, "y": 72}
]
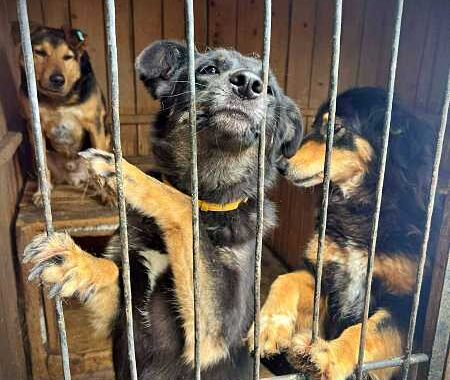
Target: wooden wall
[
  {"x": 12, "y": 358},
  {"x": 300, "y": 59}
]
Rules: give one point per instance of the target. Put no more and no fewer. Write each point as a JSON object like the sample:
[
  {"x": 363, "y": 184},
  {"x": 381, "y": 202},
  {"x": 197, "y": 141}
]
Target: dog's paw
[
  {"x": 275, "y": 334},
  {"x": 321, "y": 359},
  {"x": 101, "y": 163},
  {"x": 61, "y": 266}
]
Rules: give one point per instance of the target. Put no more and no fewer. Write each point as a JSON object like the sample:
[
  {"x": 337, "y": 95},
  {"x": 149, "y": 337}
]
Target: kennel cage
[{"x": 437, "y": 356}]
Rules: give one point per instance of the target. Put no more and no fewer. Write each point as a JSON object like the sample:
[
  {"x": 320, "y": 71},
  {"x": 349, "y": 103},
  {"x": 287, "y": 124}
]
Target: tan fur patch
[
  {"x": 173, "y": 213},
  {"x": 347, "y": 166},
  {"x": 397, "y": 273},
  {"x": 287, "y": 310},
  {"x": 337, "y": 359}
]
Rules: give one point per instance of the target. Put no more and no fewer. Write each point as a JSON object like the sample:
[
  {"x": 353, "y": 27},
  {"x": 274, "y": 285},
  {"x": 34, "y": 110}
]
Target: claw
[
  {"x": 87, "y": 295},
  {"x": 34, "y": 248},
  {"x": 54, "y": 290}
]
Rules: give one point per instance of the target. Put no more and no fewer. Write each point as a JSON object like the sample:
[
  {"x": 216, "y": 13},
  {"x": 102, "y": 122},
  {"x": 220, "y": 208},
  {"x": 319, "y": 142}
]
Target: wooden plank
[
  {"x": 301, "y": 45},
  {"x": 173, "y": 19},
  {"x": 352, "y": 28},
  {"x": 427, "y": 67},
  {"x": 322, "y": 54},
  {"x": 129, "y": 140},
  {"x": 411, "y": 48},
  {"x": 441, "y": 64},
  {"x": 144, "y": 145},
  {"x": 222, "y": 23},
  {"x": 280, "y": 40},
  {"x": 125, "y": 46},
  {"x": 201, "y": 24},
  {"x": 88, "y": 16},
  {"x": 371, "y": 44},
  {"x": 9, "y": 144},
  {"x": 56, "y": 13},
  {"x": 250, "y": 29},
  {"x": 35, "y": 14},
  {"x": 386, "y": 42},
  {"x": 147, "y": 16}
]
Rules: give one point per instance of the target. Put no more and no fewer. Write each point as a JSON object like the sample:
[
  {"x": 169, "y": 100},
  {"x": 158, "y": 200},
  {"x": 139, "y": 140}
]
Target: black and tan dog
[
  {"x": 230, "y": 109},
  {"x": 71, "y": 104},
  {"x": 287, "y": 314}
]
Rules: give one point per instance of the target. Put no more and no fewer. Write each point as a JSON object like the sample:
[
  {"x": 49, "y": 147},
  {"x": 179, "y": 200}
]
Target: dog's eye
[
  {"x": 40, "y": 53},
  {"x": 68, "y": 57},
  {"x": 209, "y": 70}
]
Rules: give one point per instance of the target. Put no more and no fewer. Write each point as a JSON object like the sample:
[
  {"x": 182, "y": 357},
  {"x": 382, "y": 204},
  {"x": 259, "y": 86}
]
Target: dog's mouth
[
  {"x": 49, "y": 90},
  {"x": 233, "y": 113},
  {"x": 308, "y": 181}
]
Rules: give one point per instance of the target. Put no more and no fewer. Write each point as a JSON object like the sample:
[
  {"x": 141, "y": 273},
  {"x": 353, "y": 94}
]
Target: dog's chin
[
  {"x": 304, "y": 180},
  {"x": 52, "y": 92},
  {"x": 233, "y": 130}
]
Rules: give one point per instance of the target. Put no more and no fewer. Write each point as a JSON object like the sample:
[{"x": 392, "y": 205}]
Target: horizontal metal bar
[
  {"x": 260, "y": 189},
  {"x": 113, "y": 70},
  {"x": 380, "y": 184},
  {"x": 41, "y": 166},
  {"x": 395, "y": 362},
  {"x": 332, "y": 95}
]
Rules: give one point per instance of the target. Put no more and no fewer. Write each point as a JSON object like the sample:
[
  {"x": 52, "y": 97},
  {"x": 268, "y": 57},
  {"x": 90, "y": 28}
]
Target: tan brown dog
[{"x": 71, "y": 104}]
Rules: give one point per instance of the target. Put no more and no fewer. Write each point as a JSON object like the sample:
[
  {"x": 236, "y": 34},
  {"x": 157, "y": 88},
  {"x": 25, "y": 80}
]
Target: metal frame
[{"x": 437, "y": 359}]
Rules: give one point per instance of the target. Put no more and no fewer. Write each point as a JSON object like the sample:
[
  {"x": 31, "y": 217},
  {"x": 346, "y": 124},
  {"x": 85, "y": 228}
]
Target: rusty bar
[
  {"x": 190, "y": 39},
  {"x": 332, "y": 95},
  {"x": 380, "y": 183},
  {"x": 113, "y": 71},
  {"x": 41, "y": 166},
  {"x": 426, "y": 234}
]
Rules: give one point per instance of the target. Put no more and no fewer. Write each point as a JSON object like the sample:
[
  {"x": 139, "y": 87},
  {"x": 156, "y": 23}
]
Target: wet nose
[
  {"x": 246, "y": 84},
  {"x": 57, "y": 80}
]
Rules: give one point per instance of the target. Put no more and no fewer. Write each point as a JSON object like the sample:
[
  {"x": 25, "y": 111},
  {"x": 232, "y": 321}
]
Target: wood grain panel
[
  {"x": 280, "y": 40},
  {"x": 88, "y": 16},
  {"x": 301, "y": 45},
  {"x": 147, "y": 16},
  {"x": 250, "y": 29},
  {"x": 56, "y": 13},
  {"x": 222, "y": 17}
]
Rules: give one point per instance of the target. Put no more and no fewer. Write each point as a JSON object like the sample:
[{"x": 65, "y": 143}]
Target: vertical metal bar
[
  {"x": 439, "y": 351},
  {"x": 190, "y": 38},
  {"x": 332, "y": 95},
  {"x": 113, "y": 71},
  {"x": 260, "y": 190},
  {"x": 426, "y": 234},
  {"x": 380, "y": 183},
  {"x": 27, "y": 51}
]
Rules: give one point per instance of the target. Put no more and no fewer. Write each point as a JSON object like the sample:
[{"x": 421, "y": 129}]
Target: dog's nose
[
  {"x": 57, "y": 80},
  {"x": 246, "y": 84}
]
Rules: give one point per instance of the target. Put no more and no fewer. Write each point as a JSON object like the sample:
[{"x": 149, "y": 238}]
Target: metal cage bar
[
  {"x": 439, "y": 353},
  {"x": 190, "y": 38},
  {"x": 380, "y": 183},
  {"x": 332, "y": 95},
  {"x": 426, "y": 235},
  {"x": 260, "y": 190},
  {"x": 113, "y": 71},
  {"x": 41, "y": 166}
]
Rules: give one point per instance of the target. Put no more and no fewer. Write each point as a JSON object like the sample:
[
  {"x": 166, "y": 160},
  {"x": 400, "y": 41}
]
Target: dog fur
[
  {"x": 287, "y": 315},
  {"x": 230, "y": 109},
  {"x": 71, "y": 104}
]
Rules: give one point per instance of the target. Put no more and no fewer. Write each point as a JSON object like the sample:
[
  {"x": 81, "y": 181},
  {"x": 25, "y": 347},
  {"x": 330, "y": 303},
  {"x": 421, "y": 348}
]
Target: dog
[
  {"x": 71, "y": 104},
  {"x": 230, "y": 110},
  {"x": 286, "y": 317}
]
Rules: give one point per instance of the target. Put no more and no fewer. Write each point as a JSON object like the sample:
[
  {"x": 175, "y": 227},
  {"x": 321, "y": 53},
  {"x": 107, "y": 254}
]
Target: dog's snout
[
  {"x": 57, "y": 80},
  {"x": 246, "y": 84}
]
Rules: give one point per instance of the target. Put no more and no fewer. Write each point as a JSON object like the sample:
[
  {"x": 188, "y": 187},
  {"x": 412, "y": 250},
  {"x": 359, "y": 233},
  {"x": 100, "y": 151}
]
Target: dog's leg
[
  {"x": 287, "y": 310},
  {"x": 337, "y": 359},
  {"x": 172, "y": 210},
  {"x": 69, "y": 271}
]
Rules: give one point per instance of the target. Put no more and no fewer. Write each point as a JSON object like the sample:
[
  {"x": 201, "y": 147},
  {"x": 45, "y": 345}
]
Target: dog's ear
[
  {"x": 293, "y": 122},
  {"x": 157, "y": 65},
  {"x": 75, "y": 38},
  {"x": 15, "y": 30}
]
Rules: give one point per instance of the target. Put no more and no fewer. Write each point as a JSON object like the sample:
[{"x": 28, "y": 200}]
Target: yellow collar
[{"x": 214, "y": 207}]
